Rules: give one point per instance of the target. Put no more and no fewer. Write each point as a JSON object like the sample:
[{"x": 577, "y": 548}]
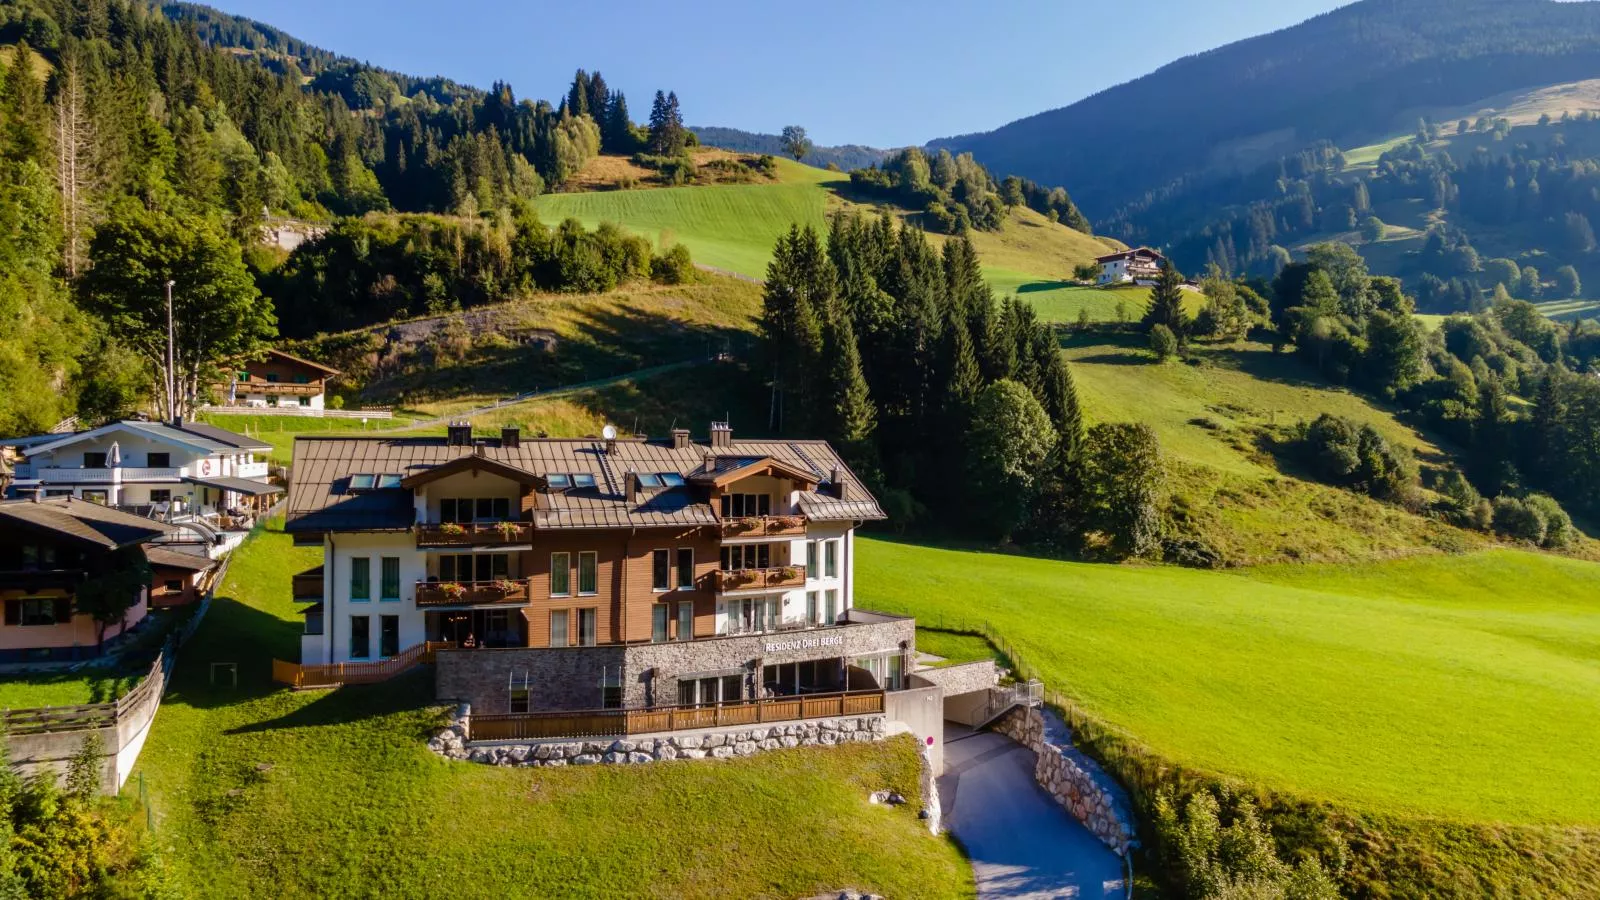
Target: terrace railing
[
  {"x": 724, "y": 580},
  {"x": 664, "y": 719},
  {"x": 481, "y": 534},
  {"x": 333, "y": 675},
  {"x": 470, "y": 593},
  {"x": 763, "y": 526}
]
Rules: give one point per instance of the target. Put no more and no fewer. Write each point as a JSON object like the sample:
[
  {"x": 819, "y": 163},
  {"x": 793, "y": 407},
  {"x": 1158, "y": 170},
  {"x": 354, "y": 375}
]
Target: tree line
[
  {"x": 955, "y": 407},
  {"x": 955, "y": 192}
]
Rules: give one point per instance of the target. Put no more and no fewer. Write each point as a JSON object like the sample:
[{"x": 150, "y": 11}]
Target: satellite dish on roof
[{"x": 609, "y": 432}]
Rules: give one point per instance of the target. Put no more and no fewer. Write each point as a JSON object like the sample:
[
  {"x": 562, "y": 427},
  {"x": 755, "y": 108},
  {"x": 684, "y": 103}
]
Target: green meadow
[{"x": 1461, "y": 687}]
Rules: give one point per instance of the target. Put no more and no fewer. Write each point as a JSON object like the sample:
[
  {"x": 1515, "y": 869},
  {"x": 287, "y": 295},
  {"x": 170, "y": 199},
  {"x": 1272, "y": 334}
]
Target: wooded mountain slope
[{"x": 1338, "y": 76}]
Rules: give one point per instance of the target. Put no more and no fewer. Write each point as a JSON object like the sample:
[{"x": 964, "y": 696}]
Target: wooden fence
[
  {"x": 336, "y": 674},
  {"x": 660, "y": 719},
  {"x": 92, "y": 716}
]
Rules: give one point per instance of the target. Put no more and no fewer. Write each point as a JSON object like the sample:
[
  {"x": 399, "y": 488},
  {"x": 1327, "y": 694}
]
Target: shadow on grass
[
  {"x": 354, "y": 703},
  {"x": 1037, "y": 287},
  {"x": 1128, "y": 358}
]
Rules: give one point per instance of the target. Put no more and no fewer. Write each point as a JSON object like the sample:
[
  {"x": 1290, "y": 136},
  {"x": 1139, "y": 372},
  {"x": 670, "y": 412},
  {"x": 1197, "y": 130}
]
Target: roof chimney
[
  {"x": 459, "y": 433},
  {"x": 680, "y": 439},
  {"x": 836, "y": 482},
  {"x": 721, "y": 435},
  {"x": 630, "y": 486},
  {"x": 510, "y": 438}
]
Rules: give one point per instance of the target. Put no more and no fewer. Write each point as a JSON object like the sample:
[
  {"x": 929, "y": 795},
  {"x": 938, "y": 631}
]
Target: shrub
[
  {"x": 1123, "y": 487},
  {"x": 1558, "y": 530},
  {"x": 1518, "y": 521},
  {"x": 1212, "y": 859},
  {"x": 673, "y": 267},
  {"x": 1357, "y": 457},
  {"x": 336, "y": 402},
  {"x": 1163, "y": 343}
]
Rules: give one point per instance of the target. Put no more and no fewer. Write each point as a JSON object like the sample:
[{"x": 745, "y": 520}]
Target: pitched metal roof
[
  {"x": 83, "y": 521},
  {"x": 178, "y": 559},
  {"x": 320, "y": 498},
  {"x": 197, "y": 435}
]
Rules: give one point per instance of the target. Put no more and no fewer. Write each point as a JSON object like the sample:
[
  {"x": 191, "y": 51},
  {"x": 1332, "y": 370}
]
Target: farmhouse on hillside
[
  {"x": 204, "y": 479},
  {"x": 594, "y": 575},
  {"x": 279, "y": 381},
  {"x": 1138, "y": 266}
]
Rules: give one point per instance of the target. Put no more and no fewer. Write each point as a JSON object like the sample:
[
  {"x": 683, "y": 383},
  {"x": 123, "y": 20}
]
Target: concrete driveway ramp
[{"x": 1023, "y": 845}]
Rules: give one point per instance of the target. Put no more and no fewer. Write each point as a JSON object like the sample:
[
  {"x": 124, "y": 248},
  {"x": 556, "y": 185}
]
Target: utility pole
[{"x": 172, "y": 374}]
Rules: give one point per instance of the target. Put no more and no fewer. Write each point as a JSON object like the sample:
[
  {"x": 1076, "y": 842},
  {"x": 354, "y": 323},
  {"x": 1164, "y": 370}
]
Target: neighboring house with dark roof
[
  {"x": 1141, "y": 265},
  {"x": 179, "y": 472},
  {"x": 177, "y": 573},
  {"x": 48, "y": 548},
  {"x": 277, "y": 380},
  {"x": 606, "y": 572}
]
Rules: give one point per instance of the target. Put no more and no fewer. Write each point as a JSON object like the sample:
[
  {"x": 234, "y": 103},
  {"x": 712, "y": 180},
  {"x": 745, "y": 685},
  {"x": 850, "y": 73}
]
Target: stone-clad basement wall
[{"x": 1077, "y": 782}]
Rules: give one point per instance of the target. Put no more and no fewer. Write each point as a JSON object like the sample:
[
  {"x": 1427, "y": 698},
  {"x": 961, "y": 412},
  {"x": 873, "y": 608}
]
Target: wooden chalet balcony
[
  {"x": 308, "y": 585},
  {"x": 664, "y": 719},
  {"x": 471, "y": 593},
  {"x": 724, "y": 581},
  {"x": 484, "y": 534},
  {"x": 763, "y": 526},
  {"x": 283, "y": 388}
]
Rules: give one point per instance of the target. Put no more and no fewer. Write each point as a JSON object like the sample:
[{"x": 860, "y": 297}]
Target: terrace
[
  {"x": 728, "y": 581},
  {"x": 763, "y": 526}
]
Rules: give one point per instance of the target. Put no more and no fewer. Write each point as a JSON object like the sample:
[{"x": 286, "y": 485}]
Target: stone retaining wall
[
  {"x": 1075, "y": 781},
  {"x": 963, "y": 678},
  {"x": 451, "y": 744}
]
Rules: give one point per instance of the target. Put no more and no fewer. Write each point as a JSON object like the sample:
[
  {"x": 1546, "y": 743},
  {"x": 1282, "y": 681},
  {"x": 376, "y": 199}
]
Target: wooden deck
[
  {"x": 667, "y": 719},
  {"x": 327, "y": 676}
]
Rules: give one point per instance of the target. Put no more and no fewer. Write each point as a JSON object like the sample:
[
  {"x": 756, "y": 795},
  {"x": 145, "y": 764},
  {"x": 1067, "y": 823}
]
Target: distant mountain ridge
[
  {"x": 1341, "y": 76},
  {"x": 846, "y": 157}
]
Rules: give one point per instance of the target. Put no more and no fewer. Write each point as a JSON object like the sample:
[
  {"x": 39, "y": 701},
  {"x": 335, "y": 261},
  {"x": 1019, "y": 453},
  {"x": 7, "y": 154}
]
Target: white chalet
[{"x": 1138, "y": 266}]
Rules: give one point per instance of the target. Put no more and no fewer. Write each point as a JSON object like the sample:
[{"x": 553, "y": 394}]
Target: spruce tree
[
  {"x": 1166, "y": 303},
  {"x": 24, "y": 118},
  {"x": 799, "y": 289},
  {"x": 659, "y": 126},
  {"x": 578, "y": 95},
  {"x": 619, "y": 128},
  {"x": 598, "y": 101},
  {"x": 851, "y": 417}
]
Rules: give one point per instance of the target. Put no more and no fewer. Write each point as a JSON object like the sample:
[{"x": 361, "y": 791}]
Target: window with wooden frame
[
  {"x": 561, "y": 574},
  {"x": 685, "y": 568},
  {"x": 588, "y": 572},
  {"x": 33, "y": 611},
  {"x": 661, "y": 570}
]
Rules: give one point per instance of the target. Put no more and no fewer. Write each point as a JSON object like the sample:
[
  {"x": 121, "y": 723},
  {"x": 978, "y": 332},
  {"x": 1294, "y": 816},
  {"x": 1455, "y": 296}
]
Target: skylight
[
  {"x": 671, "y": 479},
  {"x": 388, "y": 481},
  {"x": 362, "y": 482},
  {"x": 648, "y": 480},
  {"x": 558, "y": 481},
  {"x": 582, "y": 479}
]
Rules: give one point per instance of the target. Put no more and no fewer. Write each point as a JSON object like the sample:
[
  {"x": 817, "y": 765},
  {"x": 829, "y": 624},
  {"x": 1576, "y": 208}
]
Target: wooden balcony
[
  {"x": 667, "y": 719},
  {"x": 724, "y": 581},
  {"x": 483, "y": 534},
  {"x": 281, "y": 388},
  {"x": 763, "y": 526},
  {"x": 471, "y": 593},
  {"x": 307, "y": 585}
]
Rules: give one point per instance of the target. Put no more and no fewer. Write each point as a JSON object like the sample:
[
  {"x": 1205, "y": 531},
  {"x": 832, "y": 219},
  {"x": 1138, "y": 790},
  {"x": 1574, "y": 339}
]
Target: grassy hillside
[
  {"x": 261, "y": 791},
  {"x": 734, "y": 226},
  {"x": 1398, "y": 687},
  {"x": 1214, "y": 417}
]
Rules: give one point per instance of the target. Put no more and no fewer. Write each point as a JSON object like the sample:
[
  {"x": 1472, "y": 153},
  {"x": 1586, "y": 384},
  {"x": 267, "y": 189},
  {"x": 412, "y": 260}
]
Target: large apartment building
[{"x": 594, "y": 573}]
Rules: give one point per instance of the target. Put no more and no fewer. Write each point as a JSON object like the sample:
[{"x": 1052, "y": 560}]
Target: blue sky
[{"x": 865, "y": 72}]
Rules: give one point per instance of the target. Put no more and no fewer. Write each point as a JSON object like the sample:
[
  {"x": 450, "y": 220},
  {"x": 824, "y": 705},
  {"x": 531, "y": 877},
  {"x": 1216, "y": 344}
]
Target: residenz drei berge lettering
[{"x": 809, "y": 643}]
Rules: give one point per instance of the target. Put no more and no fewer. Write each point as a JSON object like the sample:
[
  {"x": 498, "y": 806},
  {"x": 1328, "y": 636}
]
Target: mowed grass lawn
[
  {"x": 264, "y": 792},
  {"x": 280, "y": 431},
  {"x": 1461, "y": 687},
  {"x": 64, "y": 688}
]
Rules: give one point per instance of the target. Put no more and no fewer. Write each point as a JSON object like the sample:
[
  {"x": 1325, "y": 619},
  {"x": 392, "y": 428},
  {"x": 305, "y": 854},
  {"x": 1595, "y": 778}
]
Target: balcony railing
[
  {"x": 286, "y": 388},
  {"x": 250, "y": 470},
  {"x": 723, "y": 581},
  {"x": 64, "y": 474},
  {"x": 470, "y": 593},
  {"x": 474, "y": 535},
  {"x": 763, "y": 526},
  {"x": 663, "y": 719},
  {"x": 307, "y": 585}
]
